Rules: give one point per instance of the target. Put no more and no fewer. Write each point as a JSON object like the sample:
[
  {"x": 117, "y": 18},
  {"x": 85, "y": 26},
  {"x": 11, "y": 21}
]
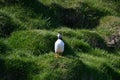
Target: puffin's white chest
[{"x": 59, "y": 46}]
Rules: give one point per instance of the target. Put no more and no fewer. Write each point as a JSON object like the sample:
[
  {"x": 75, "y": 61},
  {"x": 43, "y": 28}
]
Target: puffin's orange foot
[
  {"x": 61, "y": 56},
  {"x": 56, "y": 56}
]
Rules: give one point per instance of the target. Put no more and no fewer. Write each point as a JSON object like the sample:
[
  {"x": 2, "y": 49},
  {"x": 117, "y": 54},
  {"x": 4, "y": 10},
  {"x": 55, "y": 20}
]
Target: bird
[{"x": 59, "y": 46}]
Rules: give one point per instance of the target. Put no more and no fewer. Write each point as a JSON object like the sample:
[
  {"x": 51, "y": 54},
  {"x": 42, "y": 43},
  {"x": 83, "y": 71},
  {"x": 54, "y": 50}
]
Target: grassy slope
[{"x": 85, "y": 24}]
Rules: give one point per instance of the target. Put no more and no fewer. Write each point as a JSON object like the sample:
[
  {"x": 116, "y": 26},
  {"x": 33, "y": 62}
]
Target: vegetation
[{"x": 29, "y": 28}]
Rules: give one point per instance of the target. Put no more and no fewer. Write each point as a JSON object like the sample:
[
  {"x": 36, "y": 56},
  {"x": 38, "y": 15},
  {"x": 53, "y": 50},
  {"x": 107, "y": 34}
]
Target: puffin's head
[{"x": 59, "y": 36}]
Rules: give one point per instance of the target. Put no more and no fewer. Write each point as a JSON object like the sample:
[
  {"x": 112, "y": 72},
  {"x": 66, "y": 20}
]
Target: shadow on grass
[
  {"x": 77, "y": 70},
  {"x": 2, "y": 68},
  {"x": 85, "y": 72},
  {"x": 110, "y": 72},
  {"x": 91, "y": 73},
  {"x": 68, "y": 51},
  {"x": 7, "y": 26},
  {"x": 17, "y": 69},
  {"x": 83, "y": 16}
]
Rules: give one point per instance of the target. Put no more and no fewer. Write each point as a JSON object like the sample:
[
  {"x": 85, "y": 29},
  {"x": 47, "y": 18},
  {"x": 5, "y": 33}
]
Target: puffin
[{"x": 59, "y": 46}]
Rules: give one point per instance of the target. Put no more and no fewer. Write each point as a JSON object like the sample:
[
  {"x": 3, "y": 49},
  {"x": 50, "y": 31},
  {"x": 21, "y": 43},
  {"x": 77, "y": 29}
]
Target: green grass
[
  {"x": 47, "y": 67},
  {"x": 37, "y": 41},
  {"x": 29, "y": 28},
  {"x": 109, "y": 25},
  {"x": 7, "y": 26}
]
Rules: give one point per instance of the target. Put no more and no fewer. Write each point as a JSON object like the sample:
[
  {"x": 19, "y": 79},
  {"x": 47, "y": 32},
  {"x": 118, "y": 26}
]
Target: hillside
[{"x": 29, "y": 28}]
